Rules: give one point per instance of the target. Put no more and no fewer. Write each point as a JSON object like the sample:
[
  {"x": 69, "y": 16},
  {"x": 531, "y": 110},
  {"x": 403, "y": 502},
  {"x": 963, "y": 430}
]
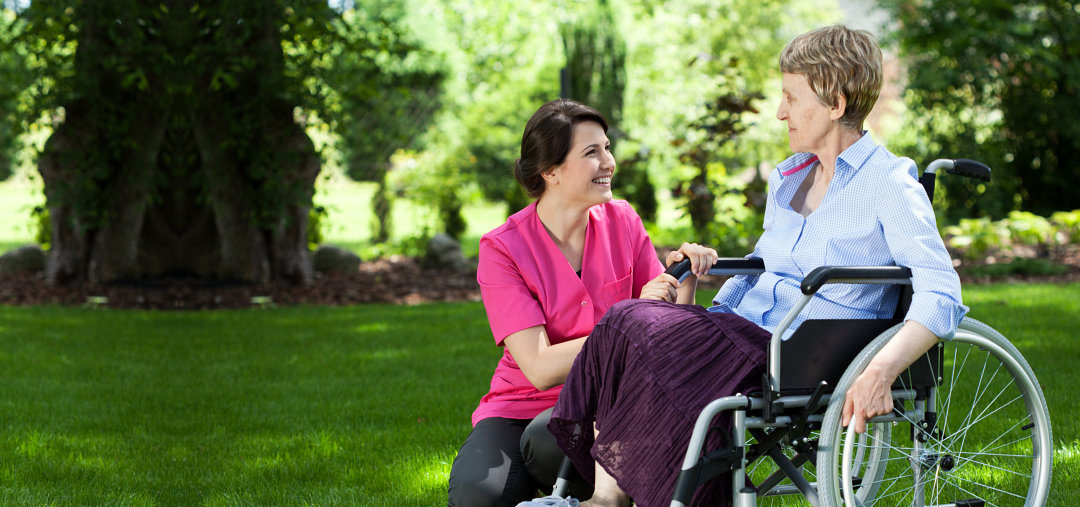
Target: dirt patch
[
  {"x": 395, "y": 280},
  {"x": 398, "y": 280}
]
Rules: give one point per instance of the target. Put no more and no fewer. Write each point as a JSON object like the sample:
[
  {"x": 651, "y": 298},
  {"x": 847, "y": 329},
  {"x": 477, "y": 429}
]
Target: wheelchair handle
[
  {"x": 961, "y": 166},
  {"x": 724, "y": 266},
  {"x": 854, "y": 274}
]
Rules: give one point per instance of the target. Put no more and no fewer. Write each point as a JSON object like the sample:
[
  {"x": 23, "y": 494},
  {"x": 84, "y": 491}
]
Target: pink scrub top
[{"x": 525, "y": 281}]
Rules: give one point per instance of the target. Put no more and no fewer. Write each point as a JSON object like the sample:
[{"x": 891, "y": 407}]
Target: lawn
[{"x": 362, "y": 405}]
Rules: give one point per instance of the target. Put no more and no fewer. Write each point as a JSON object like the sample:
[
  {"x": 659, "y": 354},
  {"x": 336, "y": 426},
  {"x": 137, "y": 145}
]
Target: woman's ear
[
  {"x": 551, "y": 176},
  {"x": 836, "y": 112}
]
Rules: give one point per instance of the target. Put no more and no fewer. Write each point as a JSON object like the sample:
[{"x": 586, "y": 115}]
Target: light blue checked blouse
[{"x": 875, "y": 213}]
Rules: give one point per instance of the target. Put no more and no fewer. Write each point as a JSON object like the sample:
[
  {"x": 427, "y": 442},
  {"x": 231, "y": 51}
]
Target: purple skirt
[{"x": 643, "y": 375}]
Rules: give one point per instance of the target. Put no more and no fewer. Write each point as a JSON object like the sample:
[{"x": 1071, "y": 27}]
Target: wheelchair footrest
[{"x": 710, "y": 465}]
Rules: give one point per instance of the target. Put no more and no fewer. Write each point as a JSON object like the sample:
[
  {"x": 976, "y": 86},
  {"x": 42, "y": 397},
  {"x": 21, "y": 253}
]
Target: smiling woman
[{"x": 546, "y": 277}]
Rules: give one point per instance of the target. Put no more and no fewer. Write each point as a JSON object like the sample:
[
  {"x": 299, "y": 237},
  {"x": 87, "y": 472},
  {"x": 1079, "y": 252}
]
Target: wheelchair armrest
[
  {"x": 855, "y": 274},
  {"x": 725, "y": 266}
]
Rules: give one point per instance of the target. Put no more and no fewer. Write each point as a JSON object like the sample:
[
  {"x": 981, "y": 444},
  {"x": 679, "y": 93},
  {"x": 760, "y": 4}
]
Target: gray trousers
[{"x": 506, "y": 461}]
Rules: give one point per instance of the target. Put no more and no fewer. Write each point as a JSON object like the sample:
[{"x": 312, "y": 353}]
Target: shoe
[{"x": 550, "y": 501}]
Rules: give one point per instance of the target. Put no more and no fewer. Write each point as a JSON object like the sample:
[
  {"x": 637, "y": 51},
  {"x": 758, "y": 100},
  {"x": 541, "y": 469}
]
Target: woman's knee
[
  {"x": 476, "y": 483},
  {"x": 488, "y": 470},
  {"x": 471, "y": 495}
]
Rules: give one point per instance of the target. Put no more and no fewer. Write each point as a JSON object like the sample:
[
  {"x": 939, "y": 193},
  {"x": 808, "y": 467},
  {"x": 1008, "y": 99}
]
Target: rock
[
  {"x": 444, "y": 252},
  {"x": 25, "y": 259},
  {"x": 333, "y": 259}
]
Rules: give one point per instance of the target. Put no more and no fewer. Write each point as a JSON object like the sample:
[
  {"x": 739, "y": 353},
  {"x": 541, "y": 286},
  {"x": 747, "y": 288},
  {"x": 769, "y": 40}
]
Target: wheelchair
[{"x": 969, "y": 426}]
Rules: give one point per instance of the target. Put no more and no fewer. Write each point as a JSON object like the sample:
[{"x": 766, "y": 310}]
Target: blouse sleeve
[
  {"x": 912, "y": 237},
  {"x": 510, "y": 304},
  {"x": 646, "y": 263}
]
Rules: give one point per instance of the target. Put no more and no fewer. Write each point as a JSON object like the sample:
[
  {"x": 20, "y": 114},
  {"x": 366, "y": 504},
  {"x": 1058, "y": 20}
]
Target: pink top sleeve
[{"x": 511, "y": 304}]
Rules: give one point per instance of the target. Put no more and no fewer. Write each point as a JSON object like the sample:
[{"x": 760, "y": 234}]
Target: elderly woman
[
  {"x": 546, "y": 276},
  {"x": 648, "y": 368}
]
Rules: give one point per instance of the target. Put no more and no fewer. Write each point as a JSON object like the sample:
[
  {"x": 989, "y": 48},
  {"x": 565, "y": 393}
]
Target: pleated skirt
[{"x": 642, "y": 377}]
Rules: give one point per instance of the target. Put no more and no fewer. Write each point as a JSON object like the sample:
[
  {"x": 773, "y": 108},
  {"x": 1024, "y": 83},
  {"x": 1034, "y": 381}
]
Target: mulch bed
[
  {"x": 395, "y": 280},
  {"x": 399, "y": 280}
]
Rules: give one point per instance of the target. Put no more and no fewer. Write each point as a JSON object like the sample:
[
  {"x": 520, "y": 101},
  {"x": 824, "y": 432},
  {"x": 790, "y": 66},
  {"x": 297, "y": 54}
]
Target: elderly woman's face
[{"x": 809, "y": 121}]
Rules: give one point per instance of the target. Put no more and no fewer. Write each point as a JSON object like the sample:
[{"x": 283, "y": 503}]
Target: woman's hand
[
  {"x": 661, "y": 288},
  {"x": 701, "y": 258},
  {"x": 871, "y": 393},
  {"x": 869, "y": 396}
]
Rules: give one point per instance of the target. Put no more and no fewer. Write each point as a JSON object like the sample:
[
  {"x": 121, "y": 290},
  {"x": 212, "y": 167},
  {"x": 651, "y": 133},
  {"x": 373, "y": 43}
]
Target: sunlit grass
[
  {"x": 360, "y": 405},
  {"x": 290, "y": 406}
]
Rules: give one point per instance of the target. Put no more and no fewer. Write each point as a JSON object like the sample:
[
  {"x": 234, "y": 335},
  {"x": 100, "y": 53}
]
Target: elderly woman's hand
[
  {"x": 869, "y": 396},
  {"x": 701, "y": 258},
  {"x": 661, "y": 288},
  {"x": 871, "y": 393}
]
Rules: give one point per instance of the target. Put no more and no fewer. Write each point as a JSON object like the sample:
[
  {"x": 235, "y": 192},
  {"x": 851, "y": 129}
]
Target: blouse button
[{"x": 583, "y": 303}]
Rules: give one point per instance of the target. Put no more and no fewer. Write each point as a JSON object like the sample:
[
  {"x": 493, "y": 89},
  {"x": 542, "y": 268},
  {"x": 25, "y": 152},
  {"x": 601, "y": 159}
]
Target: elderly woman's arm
[
  {"x": 871, "y": 394},
  {"x": 911, "y": 233}
]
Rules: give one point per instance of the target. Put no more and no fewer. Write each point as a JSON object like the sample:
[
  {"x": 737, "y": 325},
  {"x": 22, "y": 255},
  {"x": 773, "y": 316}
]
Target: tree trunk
[{"x": 148, "y": 181}]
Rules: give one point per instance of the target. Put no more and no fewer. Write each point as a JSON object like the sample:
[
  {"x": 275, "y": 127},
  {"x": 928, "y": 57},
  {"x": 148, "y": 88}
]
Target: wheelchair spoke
[
  {"x": 985, "y": 435},
  {"x": 983, "y": 486},
  {"x": 978, "y": 397},
  {"x": 887, "y": 490},
  {"x": 952, "y": 380},
  {"x": 986, "y": 448},
  {"x": 983, "y": 415},
  {"x": 995, "y": 467},
  {"x": 963, "y": 431}
]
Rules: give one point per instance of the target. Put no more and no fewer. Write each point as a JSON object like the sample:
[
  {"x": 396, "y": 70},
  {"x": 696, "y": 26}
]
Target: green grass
[
  {"x": 346, "y": 406},
  {"x": 361, "y": 405},
  {"x": 1042, "y": 321}
]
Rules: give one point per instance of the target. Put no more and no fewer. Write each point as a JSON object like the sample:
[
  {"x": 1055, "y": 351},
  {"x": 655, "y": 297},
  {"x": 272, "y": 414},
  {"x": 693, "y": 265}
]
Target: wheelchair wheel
[{"x": 982, "y": 434}]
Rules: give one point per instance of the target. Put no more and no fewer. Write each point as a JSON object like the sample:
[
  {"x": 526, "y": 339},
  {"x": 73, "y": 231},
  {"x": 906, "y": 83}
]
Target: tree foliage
[
  {"x": 997, "y": 81},
  {"x": 386, "y": 88},
  {"x": 595, "y": 74},
  {"x": 178, "y": 137},
  {"x": 506, "y": 61},
  {"x": 14, "y": 79}
]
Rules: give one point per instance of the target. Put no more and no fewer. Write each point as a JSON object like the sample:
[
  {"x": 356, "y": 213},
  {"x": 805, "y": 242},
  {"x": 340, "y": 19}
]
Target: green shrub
[
  {"x": 1027, "y": 228},
  {"x": 1067, "y": 225},
  {"x": 975, "y": 236},
  {"x": 1021, "y": 266},
  {"x": 316, "y": 226}
]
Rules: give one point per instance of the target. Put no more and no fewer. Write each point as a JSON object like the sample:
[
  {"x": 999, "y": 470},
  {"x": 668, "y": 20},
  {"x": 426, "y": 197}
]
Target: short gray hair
[{"x": 838, "y": 60}]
